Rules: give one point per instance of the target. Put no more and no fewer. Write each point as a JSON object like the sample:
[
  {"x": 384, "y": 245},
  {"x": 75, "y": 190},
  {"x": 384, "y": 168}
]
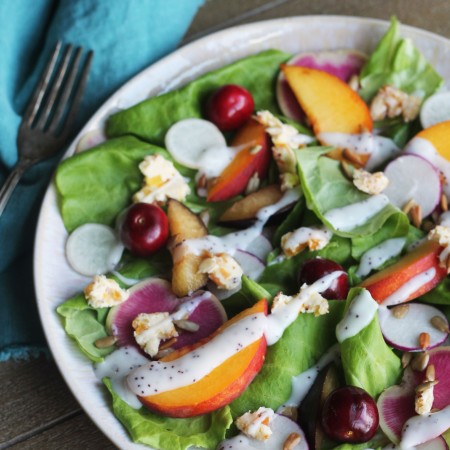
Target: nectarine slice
[
  {"x": 438, "y": 135},
  {"x": 253, "y": 158},
  {"x": 222, "y": 385},
  {"x": 383, "y": 284},
  {"x": 330, "y": 105}
]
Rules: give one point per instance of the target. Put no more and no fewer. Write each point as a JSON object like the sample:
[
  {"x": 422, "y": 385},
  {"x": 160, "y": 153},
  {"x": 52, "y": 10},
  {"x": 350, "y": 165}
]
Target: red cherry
[
  {"x": 230, "y": 107},
  {"x": 144, "y": 229},
  {"x": 316, "y": 268},
  {"x": 350, "y": 414}
]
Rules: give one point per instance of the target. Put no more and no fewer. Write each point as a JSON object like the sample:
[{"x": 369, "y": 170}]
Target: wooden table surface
[{"x": 37, "y": 410}]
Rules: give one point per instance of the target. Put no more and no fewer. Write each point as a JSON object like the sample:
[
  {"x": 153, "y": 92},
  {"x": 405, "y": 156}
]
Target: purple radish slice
[
  {"x": 406, "y": 176},
  {"x": 282, "y": 427},
  {"x": 260, "y": 247},
  {"x": 148, "y": 296},
  {"x": 341, "y": 63},
  {"x": 251, "y": 265},
  {"x": 402, "y": 332},
  {"x": 202, "y": 308},
  {"x": 440, "y": 359}
]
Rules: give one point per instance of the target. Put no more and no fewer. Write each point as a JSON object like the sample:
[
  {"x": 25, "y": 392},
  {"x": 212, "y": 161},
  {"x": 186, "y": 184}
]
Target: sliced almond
[
  {"x": 430, "y": 373},
  {"x": 105, "y": 342},
  {"x": 444, "y": 203},
  {"x": 292, "y": 440},
  {"x": 400, "y": 311},
  {"x": 416, "y": 215},
  {"x": 353, "y": 157},
  {"x": 408, "y": 206},
  {"x": 425, "y": 386},
  {"x": 187, "y": 325},
  {"x": 440, "y": 324},
  {"x": 167, "y": 343},
  {"x": 420, "y": 362}
]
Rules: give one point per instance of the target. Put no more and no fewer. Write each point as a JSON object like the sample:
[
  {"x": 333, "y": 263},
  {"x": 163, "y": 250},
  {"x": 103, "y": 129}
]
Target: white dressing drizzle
[
  {"x": 157, "y": 376},
  {"x": 420, "y": 429},
  {"x": 240, "y": 240},
  {"x": 378, "y": 255},
  {"x": 380, "y": 148},
  {"x": 425, "y": 149},
  {"x": 301, "y": 384},
  {"x": 282, "y": 317},
  {"x": 351, "y": 216},
  {"x": 360, "y": 313},
  {"x": 213, "y": 161},
  {"x": 116, "y": 366},
  {"x": 408, "y": 288}
]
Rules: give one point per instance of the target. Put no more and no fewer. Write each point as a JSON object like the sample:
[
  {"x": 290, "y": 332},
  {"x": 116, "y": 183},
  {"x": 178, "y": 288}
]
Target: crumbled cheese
[
  {"x": 162, "y": 181},
  {"x": 312, "y": 303},
  {"x": 370, "y": 183},
  {"x": 256, "y": 424},
  {"x": 285, "y": 139},
  {"x": 315, "y": 238},
  {"x": 253, "y": 184},
  {"x": 104, "y": 292},
  {"x": 392, "y": 102},
  {"x": 223, "y": 269},
  {"x": 424, "y": 397},
  {"x": 441, "y": 235},
  {"x": 151, "y": 329}
]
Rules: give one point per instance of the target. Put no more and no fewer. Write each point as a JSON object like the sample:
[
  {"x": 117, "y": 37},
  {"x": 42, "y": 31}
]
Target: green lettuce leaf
[
  {"x": 397, "y": 62},
  {"x": 162, "y": 432},
  {"x": 151, "y": 118},
  {"x": 366, "y": 359},
  {"x": 325, "y": 187},
  {"x": 302, "y": 344}
]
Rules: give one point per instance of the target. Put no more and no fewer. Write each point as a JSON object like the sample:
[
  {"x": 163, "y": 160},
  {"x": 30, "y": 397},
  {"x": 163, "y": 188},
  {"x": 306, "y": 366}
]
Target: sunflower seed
[
  {"x": 430, "y": 373},
  {"x": 440, "y": 324},
  {"x": 420, "y": 361},
  {"x": 105, "y": 342},
  {"x": 292, "y": 440},
  {"x": 406, "y": 359},
  {"x": 187, "y": 325},
  {"x": 400, "y": 311}
]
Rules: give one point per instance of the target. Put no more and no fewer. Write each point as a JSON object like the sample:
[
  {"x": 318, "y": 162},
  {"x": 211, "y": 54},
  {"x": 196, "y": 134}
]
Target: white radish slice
[
  {"x": 406, "y": 176},
  {"x": 435, "y": 444},
  {"x": 93, "y": 249},
  {"x": 282, "y": 427},
  {"x": 90, "y": 139},
  {"x": 188, "y": 139},
  {"x": 260, "y": 247},
  {"x": 341, "y": 63},
  {"x": 435, "y": 109},
  {"x": 403, "y": 332},
  {"x": 251, "y": 265},
  {"x": 221, "y": 294}
]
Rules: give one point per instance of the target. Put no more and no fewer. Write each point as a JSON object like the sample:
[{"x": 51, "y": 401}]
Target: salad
[{"x": 266, "y": 256}]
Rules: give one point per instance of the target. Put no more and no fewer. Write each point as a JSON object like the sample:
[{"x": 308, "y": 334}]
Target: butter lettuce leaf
[
  {"x": 162, "y": 432},
  {"x": 302, "y": 345},
  {"x": 397, "y": 62},
  {"x": 325, "y": 188},
  {"x": 367, "y": 361},
  {"x": 151, "y": 118}
]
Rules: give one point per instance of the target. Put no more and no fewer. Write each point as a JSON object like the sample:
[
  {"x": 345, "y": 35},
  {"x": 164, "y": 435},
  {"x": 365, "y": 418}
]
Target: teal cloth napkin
[{"x": 126, "y": 36}]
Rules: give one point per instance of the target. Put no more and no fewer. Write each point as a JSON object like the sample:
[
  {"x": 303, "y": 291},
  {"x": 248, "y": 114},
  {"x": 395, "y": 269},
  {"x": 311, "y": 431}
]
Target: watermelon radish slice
[
  {"x": 147, "y": 296},
  {"x": 403, "y": 332},
  {"x": 93, "y": 249},
  {"x": 435, "y": 444},
  {"x": 251, "y": 265},
  {"x": 406, "y": 174},
  {"x": 155, "y": 295},
  {"x": 435, "y": 109},
  {"x": 341, "y": 63},
  {"x": 282, "y": 427}
]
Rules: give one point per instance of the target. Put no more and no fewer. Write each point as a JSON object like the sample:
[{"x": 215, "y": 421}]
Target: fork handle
[{"x": 12, "y": 180}]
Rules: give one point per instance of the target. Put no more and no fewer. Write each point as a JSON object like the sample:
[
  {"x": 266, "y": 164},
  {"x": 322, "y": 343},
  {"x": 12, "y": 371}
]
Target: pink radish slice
[
  {"x": 204, "y": 309},
  {"x": 403, "y": 332},
  {"x": 282, "y": 427},
  {"x": 260, "y": 247},
  {"x": 406, "y": 176},
  {"x": 251, "y": 265},
  {"x": 440, "y": 359},
  {"x": 341, "y": 63},
  {"x": 395, "y": 407},
  {"x": 148, "y": 296},
  {"x": 90, "y": 139}
]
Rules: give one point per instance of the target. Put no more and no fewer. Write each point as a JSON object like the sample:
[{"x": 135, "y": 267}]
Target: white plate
[{"x": 54, "y": 279}]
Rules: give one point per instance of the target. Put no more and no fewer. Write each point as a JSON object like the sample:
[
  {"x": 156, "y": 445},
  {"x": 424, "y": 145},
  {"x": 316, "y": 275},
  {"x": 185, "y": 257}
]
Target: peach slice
[
  {"x": 438, "y": 135},
  {"x": 222, "y": 385},
  {"x": 253, "y": 158},
  {"x": 184, "y": 224},
  {"x": 424, "y": 257},
  {"x": 330, "y": 105}
]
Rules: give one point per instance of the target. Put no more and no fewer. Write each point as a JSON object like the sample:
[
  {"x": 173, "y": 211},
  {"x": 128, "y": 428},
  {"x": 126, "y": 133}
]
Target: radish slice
[
  {"x": 406, "y": 176},
  {"x": 435, "y": 444},
  {"x": 403, "y": 332},
  {"x": 251, "y": 265},
  {"x": 435, "y": 109},
  {"x": 282, "y": 427},
  {"x": 188, "y": 140},
  {"x": 93, "y": 249},
  {"x": 260, "y": 247},
  {"x": 90, "y": 139},
  {"x": 341, "y": 63}
]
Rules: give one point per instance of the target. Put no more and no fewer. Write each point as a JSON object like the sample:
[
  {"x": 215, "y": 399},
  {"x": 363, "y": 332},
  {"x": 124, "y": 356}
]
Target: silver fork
[{"x": 49, "y": 118}]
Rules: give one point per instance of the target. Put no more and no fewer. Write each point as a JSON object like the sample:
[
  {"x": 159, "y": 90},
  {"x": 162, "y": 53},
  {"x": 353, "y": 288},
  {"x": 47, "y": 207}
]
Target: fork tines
[{"x": 57, "y": 96}]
